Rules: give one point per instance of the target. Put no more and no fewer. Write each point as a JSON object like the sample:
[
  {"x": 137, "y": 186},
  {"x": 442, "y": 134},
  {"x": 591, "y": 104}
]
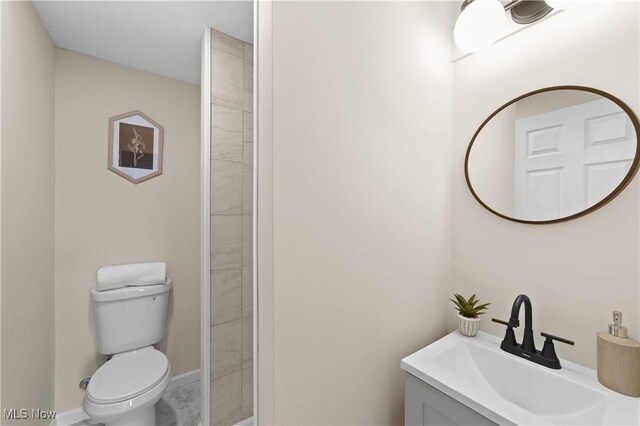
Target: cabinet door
[{"x": 427, "y": 406}]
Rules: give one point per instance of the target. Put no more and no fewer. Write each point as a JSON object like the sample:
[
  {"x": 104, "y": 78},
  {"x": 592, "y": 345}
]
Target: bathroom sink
[{"x": 510, "y": 390}]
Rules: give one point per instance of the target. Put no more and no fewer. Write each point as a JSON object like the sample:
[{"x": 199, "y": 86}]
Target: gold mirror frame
[{"x": 627, "y": 179}]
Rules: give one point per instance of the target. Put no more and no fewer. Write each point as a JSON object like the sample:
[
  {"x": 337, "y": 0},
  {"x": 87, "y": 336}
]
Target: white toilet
[{"x": 128, "y": 322}]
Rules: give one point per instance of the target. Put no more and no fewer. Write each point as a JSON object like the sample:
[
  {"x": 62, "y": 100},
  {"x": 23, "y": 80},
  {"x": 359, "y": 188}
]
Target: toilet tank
[{"x": 131, "y": 317}]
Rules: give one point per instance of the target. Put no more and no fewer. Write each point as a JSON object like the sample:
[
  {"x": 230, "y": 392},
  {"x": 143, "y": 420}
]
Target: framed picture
[{"x": 135, "y": 146}]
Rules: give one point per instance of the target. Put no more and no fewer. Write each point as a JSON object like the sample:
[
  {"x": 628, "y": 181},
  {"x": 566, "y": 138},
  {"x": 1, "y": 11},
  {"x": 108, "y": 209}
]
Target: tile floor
[{"x": 178, "y": 407}]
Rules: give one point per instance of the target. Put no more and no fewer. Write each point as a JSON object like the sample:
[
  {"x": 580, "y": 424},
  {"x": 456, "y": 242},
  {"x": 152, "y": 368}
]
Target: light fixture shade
[{"x": 479, "y": 25}]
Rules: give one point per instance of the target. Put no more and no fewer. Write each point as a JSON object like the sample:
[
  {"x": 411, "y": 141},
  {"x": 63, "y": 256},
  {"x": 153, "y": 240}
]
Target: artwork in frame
[{"x": 135, "y": 146}]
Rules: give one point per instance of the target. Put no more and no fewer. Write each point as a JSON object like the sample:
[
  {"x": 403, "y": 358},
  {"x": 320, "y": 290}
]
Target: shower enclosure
[{"x": 228, "y": 274}]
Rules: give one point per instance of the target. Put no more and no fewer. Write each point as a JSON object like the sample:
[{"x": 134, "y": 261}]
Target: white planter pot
[{"x": 468, "y": 326}]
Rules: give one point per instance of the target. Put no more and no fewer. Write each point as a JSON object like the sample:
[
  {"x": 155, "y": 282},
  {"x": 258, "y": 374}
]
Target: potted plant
[{"x": 468, "y": 314}]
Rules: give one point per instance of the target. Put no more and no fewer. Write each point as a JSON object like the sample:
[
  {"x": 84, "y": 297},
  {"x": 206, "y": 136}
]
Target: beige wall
[
  {"x": 104, "y": 219},
  {"x": 361, "y": 200},
  {"x": 27, "y": 241},
  {"x": 575, "y": 272}
]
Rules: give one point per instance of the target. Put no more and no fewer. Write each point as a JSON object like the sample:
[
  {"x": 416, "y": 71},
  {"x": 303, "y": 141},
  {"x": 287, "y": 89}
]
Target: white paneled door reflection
[{"x": 569, "y": 159}]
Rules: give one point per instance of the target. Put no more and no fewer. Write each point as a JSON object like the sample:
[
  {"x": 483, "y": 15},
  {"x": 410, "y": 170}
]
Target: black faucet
[{"x": 527, "y": 349}]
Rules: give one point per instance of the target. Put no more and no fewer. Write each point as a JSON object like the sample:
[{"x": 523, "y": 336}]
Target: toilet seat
[
  {"x": 124, "y": 412},
  {"x": 127, "y": 376}
]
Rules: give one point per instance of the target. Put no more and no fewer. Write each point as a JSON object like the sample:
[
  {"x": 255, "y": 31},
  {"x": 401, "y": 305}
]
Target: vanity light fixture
[
  {"x": 482, "y": 21},
  {"x": 559, "y": 4}
]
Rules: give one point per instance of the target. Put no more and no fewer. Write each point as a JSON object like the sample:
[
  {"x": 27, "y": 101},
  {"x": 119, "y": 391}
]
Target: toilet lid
[{"x": 127, "y": 375}]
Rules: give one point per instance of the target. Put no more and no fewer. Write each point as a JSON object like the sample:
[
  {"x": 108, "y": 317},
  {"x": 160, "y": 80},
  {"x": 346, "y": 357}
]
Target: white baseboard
[
  {"x": 76, "y": 415},
  {"x": 245, "y": 422},
  {"x": 69, "y": 417},
  {"x": 184, "y": 379}
]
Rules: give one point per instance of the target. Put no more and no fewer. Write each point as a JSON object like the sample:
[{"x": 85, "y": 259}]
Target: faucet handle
[
  {"x": 548, "y": 350},
  {"x": 550, "y": 338},
  {"x": 509, "y": 336}
]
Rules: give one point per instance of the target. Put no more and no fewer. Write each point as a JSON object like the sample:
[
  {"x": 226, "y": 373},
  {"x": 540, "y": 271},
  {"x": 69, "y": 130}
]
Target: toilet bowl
[{"x": 125, "y": 389}]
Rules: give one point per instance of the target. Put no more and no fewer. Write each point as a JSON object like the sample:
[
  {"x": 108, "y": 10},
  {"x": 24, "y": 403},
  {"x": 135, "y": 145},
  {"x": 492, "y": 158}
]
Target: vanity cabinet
[{"x": 426, "y": 406}]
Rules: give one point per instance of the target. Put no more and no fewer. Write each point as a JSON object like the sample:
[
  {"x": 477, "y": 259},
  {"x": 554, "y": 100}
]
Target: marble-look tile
[
  {"x": 247, "y": 192},
  {"x": 226, "y": 399},
  {"x": 165, "y": 414},
  {"x": 248, "y": 87},
  {"x": 247, "y": 240},
  {"x": 226, "y": 295},
  {"x": 226, "y": 241},
  {"x": 227, "y": 80},
  {"x": 247, "y": 342},
  {"x": 226, "y": 152},
  {"x": 247, "y": 392},
  {"x": 248, "y": 52},
  {"x": 247, "y": 291},
  {"x": 226, "y": 348},
  {"x": 226, "y": 43},
  {"x": 226, "y": 187},
  {"x": 247, "y": 178},
  {"x": 179, "y": 406},
  {"x": 247, "y": 127},
  {"x": 247, "y": 158},
  {"x": 226, "y": 133},
  {"x": 227, "y": 124}
]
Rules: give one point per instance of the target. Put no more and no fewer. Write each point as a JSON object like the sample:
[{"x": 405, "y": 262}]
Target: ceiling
[{"x": 162, "y": 37}]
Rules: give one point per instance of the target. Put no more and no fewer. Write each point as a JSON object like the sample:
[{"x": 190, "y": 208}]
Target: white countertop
[{"x": 511, "y": 390}]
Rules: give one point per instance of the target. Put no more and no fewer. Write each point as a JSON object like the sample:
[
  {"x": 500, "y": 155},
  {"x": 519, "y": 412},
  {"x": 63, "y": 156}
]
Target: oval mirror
[{"x": 553, "y": 155}]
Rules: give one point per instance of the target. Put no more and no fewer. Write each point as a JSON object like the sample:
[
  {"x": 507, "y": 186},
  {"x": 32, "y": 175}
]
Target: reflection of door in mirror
[{"x": 569, "y": 159}]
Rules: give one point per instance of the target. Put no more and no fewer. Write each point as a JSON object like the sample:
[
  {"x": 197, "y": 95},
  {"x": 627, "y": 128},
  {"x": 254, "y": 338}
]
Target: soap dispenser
[{"x": 619, "y": 359}]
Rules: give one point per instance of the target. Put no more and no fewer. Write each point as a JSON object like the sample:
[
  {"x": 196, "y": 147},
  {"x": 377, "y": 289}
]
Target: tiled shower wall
[{"x": 231, "y": 230}]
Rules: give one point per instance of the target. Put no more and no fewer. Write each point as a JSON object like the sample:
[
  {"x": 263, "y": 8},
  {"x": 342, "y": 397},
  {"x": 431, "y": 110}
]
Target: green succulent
[{"x": 468, "y": 308}]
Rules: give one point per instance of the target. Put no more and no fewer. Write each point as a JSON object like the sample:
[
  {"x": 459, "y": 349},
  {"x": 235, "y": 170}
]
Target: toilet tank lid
[{"x": 130, "y": 292}]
